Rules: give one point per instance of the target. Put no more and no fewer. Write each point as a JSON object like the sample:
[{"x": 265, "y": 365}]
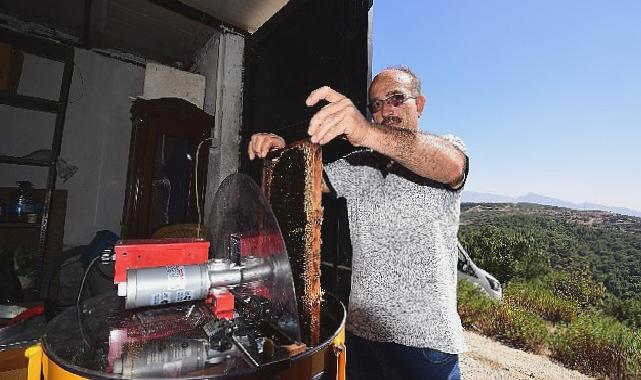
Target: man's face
[{"x": 404, "y": 116}]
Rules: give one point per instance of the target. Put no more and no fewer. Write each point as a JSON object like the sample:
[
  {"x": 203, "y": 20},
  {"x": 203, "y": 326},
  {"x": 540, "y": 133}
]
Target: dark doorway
[{"x": 308, "y": 44}]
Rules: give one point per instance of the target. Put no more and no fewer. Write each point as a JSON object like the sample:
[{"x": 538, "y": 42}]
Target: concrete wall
[
  {"x": 166, "y": 82},
  {"x": 96, "y": 139},
  {"x": 221, "y": 61}
]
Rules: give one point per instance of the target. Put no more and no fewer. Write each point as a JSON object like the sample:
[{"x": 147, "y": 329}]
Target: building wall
[{"x": 96, "y": 139}]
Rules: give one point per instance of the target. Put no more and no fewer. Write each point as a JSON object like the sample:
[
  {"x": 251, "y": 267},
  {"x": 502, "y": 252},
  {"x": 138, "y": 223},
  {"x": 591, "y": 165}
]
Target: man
[{"x": 403, "y": 199}]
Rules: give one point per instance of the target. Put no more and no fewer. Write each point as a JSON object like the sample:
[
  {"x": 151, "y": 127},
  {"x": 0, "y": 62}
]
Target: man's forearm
[{"x": 427, "y": 155}]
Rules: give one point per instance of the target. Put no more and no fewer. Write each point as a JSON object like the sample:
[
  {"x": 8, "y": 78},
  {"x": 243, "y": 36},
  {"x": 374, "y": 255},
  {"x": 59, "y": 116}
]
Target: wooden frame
[{"x": 292, "y": 185}]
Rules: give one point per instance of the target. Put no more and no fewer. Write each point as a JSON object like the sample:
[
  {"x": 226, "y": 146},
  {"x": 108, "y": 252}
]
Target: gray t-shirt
[{"x": 404, "y": 232}]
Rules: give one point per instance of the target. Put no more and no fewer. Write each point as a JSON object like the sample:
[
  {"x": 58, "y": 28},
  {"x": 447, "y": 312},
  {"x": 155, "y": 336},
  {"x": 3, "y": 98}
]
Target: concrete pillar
[{"x": 221, "y": 61}]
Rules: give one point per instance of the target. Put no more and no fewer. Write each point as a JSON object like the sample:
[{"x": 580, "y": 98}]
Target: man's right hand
[{"x": 261, "y": 143}]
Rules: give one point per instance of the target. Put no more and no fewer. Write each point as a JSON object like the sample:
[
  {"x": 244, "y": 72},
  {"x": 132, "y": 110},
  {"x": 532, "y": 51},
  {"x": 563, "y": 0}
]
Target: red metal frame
[{"x": 134, "y": 254}]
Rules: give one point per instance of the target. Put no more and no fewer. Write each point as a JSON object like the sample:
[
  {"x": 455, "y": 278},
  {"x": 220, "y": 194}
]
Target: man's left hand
[{"x": 339, "y": 117}]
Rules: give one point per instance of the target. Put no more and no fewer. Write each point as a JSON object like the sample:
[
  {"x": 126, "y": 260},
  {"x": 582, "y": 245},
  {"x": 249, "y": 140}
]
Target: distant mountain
[{"x": 474, "y": 197}]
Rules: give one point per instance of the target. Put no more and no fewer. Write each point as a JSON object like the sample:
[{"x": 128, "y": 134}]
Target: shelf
[
  {"x": 20, "y": 225},
  {"x": 29, "y": 102},
  {"x": 22, "y": 161},
  {"x": 49, "y": 232}
]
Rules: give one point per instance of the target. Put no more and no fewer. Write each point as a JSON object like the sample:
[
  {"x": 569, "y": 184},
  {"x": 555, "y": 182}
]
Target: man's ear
[{"x": 420, "y": 103}]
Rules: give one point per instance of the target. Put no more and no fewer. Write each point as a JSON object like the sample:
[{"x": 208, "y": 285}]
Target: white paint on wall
[
  {"x": 25, "y": 131},
  {"x": 43, "y": 83},
  {"x": 97, "y": 136},
  {"x": 96, "y": 139},
  {"x": 166, "y": 82}
]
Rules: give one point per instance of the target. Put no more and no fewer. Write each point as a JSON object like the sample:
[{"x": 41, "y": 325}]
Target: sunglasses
[{"x": 394, "y": 100}]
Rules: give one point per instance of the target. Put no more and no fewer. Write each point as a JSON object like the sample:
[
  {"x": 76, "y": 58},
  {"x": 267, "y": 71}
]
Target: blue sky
[{"x": 546, "y": 94}]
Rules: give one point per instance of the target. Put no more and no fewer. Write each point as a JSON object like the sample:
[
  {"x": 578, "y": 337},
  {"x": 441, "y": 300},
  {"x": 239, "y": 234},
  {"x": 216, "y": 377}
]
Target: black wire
[{"x": 82, "y": 286}]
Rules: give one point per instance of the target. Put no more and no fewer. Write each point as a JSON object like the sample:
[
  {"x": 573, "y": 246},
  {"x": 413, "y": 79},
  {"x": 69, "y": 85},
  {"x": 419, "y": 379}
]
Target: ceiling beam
[
  {"x": 87, "y": 25},
  {"x": 198, "y": 15}
]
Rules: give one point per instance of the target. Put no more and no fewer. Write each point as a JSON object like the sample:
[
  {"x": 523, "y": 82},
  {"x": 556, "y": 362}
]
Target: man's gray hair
[{"x": 416, "y": 81}]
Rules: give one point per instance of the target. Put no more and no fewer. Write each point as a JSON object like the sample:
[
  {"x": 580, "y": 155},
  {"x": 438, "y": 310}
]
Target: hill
[
  {"x": 610, "y": 243},
  {"x": 476, "y": 197}
]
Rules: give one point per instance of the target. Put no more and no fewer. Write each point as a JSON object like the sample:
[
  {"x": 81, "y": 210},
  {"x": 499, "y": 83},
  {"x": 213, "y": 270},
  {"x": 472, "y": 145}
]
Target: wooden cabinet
[{"x": 162, "y": 156}]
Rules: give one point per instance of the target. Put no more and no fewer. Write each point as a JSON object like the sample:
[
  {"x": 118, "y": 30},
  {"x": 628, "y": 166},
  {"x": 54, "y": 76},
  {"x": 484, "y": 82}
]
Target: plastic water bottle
[{"x": 22, "y": 204}]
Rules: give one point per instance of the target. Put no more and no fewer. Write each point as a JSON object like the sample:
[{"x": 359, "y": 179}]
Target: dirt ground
[{"x": 488, "y": 359}]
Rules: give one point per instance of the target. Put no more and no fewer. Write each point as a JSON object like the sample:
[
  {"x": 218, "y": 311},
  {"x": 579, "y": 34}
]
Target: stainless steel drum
[{"x": 170, "y": 342}]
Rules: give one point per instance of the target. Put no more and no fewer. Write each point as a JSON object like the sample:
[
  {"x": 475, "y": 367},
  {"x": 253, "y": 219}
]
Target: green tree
[
  {"x": 627, "y": 311},
  {"x": 577, "y": 284},
  {"x": 505, "y": 253}
]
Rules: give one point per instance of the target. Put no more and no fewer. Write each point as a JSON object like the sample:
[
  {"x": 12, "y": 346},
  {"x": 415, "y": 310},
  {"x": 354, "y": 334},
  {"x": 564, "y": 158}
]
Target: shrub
[
  {"x": 474, "y": 306},
  {"x": 509, "y": 323},
  {"x": 577, "y": 285},
  {"x": 598, "y": 344},
  {"x": 519, "y": 327},
  {"x": 536, "y": 297}
]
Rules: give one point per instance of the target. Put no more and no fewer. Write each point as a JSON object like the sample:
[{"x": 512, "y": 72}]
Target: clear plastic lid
[{"x": 243, "y": 229}]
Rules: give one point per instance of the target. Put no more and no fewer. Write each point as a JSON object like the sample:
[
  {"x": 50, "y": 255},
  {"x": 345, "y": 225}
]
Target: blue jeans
[{"x": 367, "y": 360}]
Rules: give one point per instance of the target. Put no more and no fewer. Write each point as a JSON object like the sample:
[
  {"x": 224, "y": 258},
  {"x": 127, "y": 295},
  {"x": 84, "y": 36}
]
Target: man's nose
[{"x": 387, "y": 109}]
